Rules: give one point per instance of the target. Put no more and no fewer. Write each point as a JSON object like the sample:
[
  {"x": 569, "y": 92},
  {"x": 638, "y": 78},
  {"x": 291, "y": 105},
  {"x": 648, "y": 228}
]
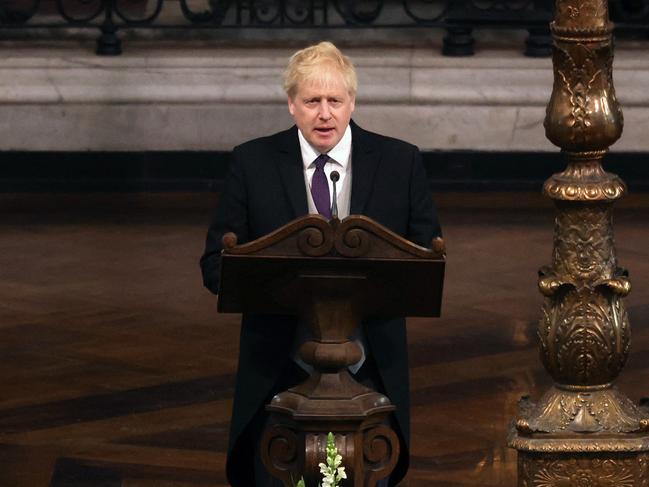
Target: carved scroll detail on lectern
[
  {"x": 281, "y": 445},
  {"x": 315, "y": 240},
  {"x": 380, "y": 454},
  {"x": 355, "y": 236}
]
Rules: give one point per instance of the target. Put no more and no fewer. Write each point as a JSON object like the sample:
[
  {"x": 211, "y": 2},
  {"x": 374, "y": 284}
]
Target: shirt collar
[{"x": 339, "y": 154}]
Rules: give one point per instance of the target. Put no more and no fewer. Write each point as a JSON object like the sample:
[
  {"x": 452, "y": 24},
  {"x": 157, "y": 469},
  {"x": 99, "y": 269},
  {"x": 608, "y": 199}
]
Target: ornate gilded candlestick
[{"x": 583, "y": 432}]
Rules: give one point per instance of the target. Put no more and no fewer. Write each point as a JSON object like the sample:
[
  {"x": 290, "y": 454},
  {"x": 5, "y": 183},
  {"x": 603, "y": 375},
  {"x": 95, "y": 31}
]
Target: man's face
[{"x": 322, "y": 110}]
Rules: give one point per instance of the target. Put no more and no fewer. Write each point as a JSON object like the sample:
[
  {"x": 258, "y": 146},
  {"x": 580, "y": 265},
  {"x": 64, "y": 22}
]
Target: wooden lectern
[{"x": 332, "y": 274}]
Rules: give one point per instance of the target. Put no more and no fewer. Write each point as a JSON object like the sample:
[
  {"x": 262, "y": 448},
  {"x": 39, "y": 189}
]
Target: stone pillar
[{"x": 583, "y": 431}]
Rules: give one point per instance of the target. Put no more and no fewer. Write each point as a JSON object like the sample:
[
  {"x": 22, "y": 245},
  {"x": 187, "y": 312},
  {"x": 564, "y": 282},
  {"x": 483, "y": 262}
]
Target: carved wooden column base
[{"x": 292, "y": 448}]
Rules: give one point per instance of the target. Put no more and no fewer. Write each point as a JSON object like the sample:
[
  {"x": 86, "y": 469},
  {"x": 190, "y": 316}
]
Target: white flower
[{"x": 332, "y": 471}]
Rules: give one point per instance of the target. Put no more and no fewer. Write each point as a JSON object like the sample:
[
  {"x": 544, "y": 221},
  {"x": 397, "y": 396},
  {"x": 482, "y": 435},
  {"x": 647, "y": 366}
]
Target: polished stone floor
[{"x": 115, "y": 369}]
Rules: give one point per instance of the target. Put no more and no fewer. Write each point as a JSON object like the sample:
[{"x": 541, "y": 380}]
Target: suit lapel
[
  {"x": 365, "y": 160},
  {"x": 291, "y": 171}
]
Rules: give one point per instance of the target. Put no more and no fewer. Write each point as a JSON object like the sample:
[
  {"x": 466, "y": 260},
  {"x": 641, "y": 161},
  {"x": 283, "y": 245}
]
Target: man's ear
[
  {"x": 291, "y": 105},
  {"x": 353, "y": 102}
]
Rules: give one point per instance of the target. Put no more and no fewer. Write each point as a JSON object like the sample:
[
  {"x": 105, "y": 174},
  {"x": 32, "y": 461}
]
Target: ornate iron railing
[{"x": 459, "y": 18}]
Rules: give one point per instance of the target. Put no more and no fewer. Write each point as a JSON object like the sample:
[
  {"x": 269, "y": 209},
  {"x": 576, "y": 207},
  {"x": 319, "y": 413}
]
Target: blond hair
[{"x": 317, "y": 62}]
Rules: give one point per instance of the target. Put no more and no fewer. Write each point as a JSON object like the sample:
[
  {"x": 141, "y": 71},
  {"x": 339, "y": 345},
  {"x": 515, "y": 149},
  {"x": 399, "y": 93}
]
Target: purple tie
[{"x": 320, "y": 187}]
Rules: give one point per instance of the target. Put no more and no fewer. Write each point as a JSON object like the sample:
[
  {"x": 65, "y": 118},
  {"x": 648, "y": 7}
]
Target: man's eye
[{"x": 335, "y": 102}]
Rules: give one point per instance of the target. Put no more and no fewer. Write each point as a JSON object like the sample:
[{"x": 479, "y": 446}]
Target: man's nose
[{"x": 325, "y": 113}]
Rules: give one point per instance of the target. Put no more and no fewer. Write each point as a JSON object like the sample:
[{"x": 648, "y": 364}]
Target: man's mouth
[{"x": 324, "y": 130}]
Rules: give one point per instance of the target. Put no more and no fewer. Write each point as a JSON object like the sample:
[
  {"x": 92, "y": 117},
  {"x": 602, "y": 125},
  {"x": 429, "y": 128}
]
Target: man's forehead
[{"x": 333, "y": 85}]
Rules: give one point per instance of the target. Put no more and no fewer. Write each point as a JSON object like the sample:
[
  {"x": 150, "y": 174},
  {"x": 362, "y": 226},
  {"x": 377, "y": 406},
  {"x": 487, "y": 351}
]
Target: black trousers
[{"x": 368, "y": 375}]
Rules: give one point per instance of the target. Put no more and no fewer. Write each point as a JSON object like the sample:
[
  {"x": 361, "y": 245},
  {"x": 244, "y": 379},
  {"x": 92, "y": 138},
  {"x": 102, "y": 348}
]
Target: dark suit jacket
[{"x": 265, "y": 190}]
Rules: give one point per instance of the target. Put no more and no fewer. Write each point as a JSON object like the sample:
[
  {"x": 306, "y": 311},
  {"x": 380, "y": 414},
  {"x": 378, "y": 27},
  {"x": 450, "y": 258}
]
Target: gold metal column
[{"x": 583, "y": 432}]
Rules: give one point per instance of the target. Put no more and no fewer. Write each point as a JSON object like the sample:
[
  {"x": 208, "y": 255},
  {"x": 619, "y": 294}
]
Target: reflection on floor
[{"x": 116, "y": 370}]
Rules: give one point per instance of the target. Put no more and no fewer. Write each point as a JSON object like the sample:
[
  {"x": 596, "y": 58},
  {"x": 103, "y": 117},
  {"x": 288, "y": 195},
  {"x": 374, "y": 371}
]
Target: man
[{"x": 276, "y": 179}]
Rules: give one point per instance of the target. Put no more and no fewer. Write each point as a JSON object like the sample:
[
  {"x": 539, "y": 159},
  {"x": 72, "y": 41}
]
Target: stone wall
[{"x": 161, "y": 96}]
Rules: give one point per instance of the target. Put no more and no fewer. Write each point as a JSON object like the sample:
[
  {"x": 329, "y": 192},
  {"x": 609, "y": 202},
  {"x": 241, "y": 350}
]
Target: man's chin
[{"x": 324, "y": 143}]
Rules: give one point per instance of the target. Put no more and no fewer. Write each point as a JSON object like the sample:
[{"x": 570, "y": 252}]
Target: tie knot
[{"x": 320, "y": 161}]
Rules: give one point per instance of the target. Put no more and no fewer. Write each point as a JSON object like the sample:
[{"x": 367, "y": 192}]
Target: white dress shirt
[{"x": 340, "y": 159}]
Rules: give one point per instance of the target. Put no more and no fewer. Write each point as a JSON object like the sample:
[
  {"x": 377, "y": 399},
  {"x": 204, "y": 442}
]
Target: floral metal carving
[
  {"x": 583, "y": 113},
  {"x": 583, "y": 14},
  {"x": 584, "y": 333},
  {"x": 585, "y": 180},
  {"x": 598, "y": 411},
  {"x": 585, "y": 472}
]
